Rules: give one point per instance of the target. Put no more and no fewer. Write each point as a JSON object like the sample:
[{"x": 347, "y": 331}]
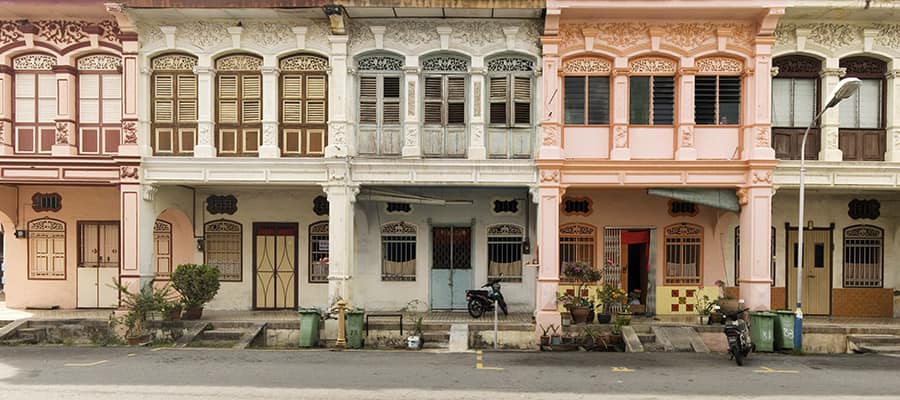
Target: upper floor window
[
  {"x": 379, "y": 104},
  {"x": 35, "y": 103},
  {"x": 652, "y": 91},
  {"x": 863, "y": 110},
  {"x": 717, "y": 91},
  {"x": 863, "y": 252},
  {"x": 795, "y": 91},
  {"x": 304, "y": 99},
  {"x": 510, "y": 90},
  {"x": 238, "y": 105},
  {"x": 99, "y": 104},
  {"x": 174, "y": 105},
  {"x": 684, "y": 255},
  {"x": 445, "y": 105},
  {"x": 586, "y": 91}
]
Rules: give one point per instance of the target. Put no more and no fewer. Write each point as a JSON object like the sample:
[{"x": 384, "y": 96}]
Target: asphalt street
[{"x": 142, "y": 373}]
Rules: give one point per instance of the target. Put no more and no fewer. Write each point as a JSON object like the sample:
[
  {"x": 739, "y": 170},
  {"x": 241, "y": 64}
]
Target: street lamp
[{"x": 844, "y": 89}]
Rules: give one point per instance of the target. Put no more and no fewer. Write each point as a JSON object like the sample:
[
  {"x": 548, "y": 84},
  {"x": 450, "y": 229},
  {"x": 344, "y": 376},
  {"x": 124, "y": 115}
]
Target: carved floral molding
[
  {"x": 719, "y": 65},
  {"x": 34, "y": 62},
  {"x": 834, "y": 36},
  {"x": 59, "y": 32},
  {"x": 624, "y": 35},
  {"x": 655, "y": 65},
  {"x": 99, "y": 62},
  {"x": 174, "y": 62},
  {"x": 304, "y": 63},
  {"x": 240, "y": 62},
  {"x": 586, "y": 65}
]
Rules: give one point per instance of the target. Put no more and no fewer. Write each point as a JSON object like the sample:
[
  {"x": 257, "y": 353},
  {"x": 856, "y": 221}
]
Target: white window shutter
[
  {"x": 228, "y": 87},
  {"x": 870, "y": 103},
  {"x": 251, "y": 87},
  {"x": 112, "y": 111},
  {"x": 781, "y": 102},
  {"x": 163, "y": 86},
  {"x": 292, "y": 86},
  {"x": 315, "y": 87},
  {"x": 804, "y": 102},
  {"x": 187, "y": 86},
  {"x": 47, "y": 86},
  {"x": 46, "y": 110},
  {"x": 112, "y": 86},
  {"x": 25, "y": 85}
]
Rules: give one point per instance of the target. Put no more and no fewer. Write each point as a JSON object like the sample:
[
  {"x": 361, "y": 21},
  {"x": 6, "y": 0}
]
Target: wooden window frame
[
  {"x": 856, "y": 136},
  {"x": 59, "y": 234},
  {"x": 503, "y": 235},
  {"x": 380, "y": 100},
  {"x": 242, "y": 131},
  {"x": 650, "y": 106},
  {"x": 177, "y": 128},
  {"x": 239, "y": 234},
  {"x": 673, "y": 238},
  {"x": 303, "y": 129},
  {"x": 101, "y": 126},
  {"x": 399, "y": 232},
  {"x": 37, "y": 126},
  {"x": 578, "y": 235},
  {"x": 797, "y": 66},
  {"x": 717, "y": 114},
  {"x": 587, "y": 99},
  {"x": 880, "y": 251},
  {"x": 315, "y": 233},
  {"x": 159, "y": 229}
]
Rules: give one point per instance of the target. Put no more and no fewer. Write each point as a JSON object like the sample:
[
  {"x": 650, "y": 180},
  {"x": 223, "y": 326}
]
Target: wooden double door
[
  {"x": 816, "y": 270},
  {"x": 274, "y": 266},
  {"x": 98, "y": 264}
]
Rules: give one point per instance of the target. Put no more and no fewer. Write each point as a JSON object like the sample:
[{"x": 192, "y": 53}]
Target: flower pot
[
  {"x": 192, "y": 313},
  {"x": 555, "y": 340},
  {"x": 173, "y": 315},
  {"x": 136, "y": 340},
  {"x": 704, "y": 319},
  {"x": 414, "y": 342},
  {"x": 604, "y": 318},
  {"x": 545, "y": 340},
  {"x": 580, "y": 314}
]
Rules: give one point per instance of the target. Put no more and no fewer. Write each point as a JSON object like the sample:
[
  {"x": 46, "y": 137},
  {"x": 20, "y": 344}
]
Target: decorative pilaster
[
  {"x": 551, "y": 112},
  {"x": 685, "y": 118},
  {"x": 411, "y": 146},
  {"x": 66, "y": 135},
  {"x": 619, "y": 117},
  {"x": 892, "y": 152},
  {"x": 341, "y": 202},
  {"x": 269, "y": 147},
  {"x": 548, "y": 240},
  {"x": 337, "y": 101},
  {"x": 477, "y": 151},
  {"x": 5, "y": 110},
  {"x": 206, "y": 128},
  {"x": 130, "y": 46},
  {"x": 756, "y": 241},
  {"x": 757, "y": 142},
  {"x": 135, "y": 229},
  {"x": 830, "y": 121}
]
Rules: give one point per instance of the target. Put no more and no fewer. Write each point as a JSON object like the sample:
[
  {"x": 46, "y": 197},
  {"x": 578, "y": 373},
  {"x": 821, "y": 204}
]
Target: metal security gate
[
  {"x": 274, "y": 266},
  {"x": 451, "y": 270},
  {"x": 98, "y": 264}
]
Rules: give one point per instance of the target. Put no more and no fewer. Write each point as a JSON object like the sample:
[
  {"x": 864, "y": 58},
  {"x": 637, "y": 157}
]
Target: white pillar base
[
  {"x": 204, "y": 151},
  {"x": 686, "y": 153},
  {"x": 831, "y": 155},
  {"x": 477, "y": 153},
  {"x": 411, "y": 152},
  {"x": 269, "y": 151},
  {"x": 621, "y": 153},
  {"x": 63, "y": 150}
]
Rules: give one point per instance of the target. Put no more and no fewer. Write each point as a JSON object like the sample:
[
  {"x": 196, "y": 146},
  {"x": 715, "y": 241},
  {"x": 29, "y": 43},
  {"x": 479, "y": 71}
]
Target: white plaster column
[
  {"x": 411, "y": 146},
  {"x": 270, "y": 106},
  {"x": 551, "y": 112},
  {"x": 144, "y": 106},
  {"x": 756, "y": 241},
  {"x": 477, "y": 73},
  {"x": 829, "y": 149},
  {"x": 130, "y": 46},
  {"x": 66, "y": 99},
  {"x": 758, "y": 134},
  {"x": 619, "y": 118},
  {"x": 206, "y": 92},
  {"x": 6, "y": 132},
  {"x": 892, "y": 152},
  {"x": 338, "y": 82},
  {"x": 685, "y": 121},
  {"x": 547, "y": 312},
  {"x": 341, "y": 203},
  {"x": 136, "y": 222}
]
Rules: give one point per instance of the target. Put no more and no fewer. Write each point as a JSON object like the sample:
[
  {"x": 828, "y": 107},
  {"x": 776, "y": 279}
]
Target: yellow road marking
[
  {"x": 622, "y": 369},
  {"x": 86, "y": 364},
  {"x": 131, "y": 354},
  {"x": 479, "y": 365},
  {"x": 158, "y": 349},
  {"x": 767, "y": 370}
]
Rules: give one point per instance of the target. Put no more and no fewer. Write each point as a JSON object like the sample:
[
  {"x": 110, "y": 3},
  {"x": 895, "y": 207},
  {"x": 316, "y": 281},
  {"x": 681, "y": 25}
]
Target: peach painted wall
[
  {"x": 652, "y": 143},
  {"x": 586, "y": 142},
  {"x": 78, "y": 204},
  {"x": 184, "y": 249},
  {"x": 716, "y": 143}
]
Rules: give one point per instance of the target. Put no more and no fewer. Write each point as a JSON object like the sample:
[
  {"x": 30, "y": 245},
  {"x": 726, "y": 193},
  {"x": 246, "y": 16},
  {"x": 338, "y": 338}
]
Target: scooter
[
  {"x": 737, "y": 330},
  {"x": 483, "y": 300}
]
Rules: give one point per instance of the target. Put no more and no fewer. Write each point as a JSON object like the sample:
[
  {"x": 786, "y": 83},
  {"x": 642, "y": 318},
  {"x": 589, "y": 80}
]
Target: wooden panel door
[
  {"x": 274, "y": 266},
  {"x": 816, "y": 274},
  {"x": 98, "y": 264}
]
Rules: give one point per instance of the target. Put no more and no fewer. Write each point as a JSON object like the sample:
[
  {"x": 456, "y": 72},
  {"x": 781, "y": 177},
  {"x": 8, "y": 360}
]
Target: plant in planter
[
  {"x": 579, "y": 305},
  {"x": 611, "y": 298},
  {"x": 592, "y": 339},
  {"x": 197, "y": 284},
  {"x": 705, "y": 307},
  {"x": 415, "y": 311},
  {"x": 545, "y": 337},
  {"x": 140, "y": 304},
  {"x": 555, "y": 337}
]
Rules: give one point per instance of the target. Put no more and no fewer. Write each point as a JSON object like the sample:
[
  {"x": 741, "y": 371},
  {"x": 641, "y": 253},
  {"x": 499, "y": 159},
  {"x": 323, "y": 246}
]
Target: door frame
[
  {"x": 787, "y": 263},
  {"x": 431, "y": 228},
  {"x": 78, "y": 250},
  {"x": 296, "y": 227}
]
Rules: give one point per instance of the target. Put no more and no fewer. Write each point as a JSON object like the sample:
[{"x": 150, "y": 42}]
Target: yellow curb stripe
[
  {"x": 767, "y": 370},
  {"x": 622, "y": 369},
  {"x": 86, "y": 364}
]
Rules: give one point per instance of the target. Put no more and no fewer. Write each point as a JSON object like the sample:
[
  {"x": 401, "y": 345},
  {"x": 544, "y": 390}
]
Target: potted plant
[
  {"x": 140, "y": 305},
  {"x": 545, "y": 336},
  {"x": 611, "y": 298},
  {"x": 592, "y": 339},
  {"x": 197, "y": 284},
  {"x": 634, "y": 302},
  {"x": 415, "y": 311},
  {"x": 555, "y": 337},
  {"x": 579, "y": 305},
  {"x": 171, "y": 310},
  {"x": 705, "y": 307}
]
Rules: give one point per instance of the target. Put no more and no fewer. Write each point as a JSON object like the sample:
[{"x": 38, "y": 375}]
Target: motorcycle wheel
[
  {"x": 503, "y": 307},
  {"x": 476, "y": 309},
  {"x": 738, "y": 355}
]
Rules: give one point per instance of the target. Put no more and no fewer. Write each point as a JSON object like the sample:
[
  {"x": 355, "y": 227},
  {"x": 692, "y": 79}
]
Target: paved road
[{"x": 34, "y": 373}]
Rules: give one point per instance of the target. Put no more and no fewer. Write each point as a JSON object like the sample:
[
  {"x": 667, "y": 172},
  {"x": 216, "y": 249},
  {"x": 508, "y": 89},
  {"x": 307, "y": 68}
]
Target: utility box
[
  {"x": 762, "y": 330},
  {"x": 309, "y": 327}
]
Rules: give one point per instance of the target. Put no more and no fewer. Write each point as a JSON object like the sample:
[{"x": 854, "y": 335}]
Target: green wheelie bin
[
  {"x": 354, "y": 326},
  {"x": 309, "y": 327},
  {"x": 762, "y": 330},
  {"x": 784, "y": 330}
]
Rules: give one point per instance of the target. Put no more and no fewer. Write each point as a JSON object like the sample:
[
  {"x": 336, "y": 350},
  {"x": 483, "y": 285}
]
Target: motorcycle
[
  {"x": 737, "y": 330},
  {"x": 483, "y": 300}
]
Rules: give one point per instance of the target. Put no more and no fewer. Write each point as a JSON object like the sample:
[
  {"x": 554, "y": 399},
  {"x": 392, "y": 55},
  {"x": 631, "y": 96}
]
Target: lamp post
[{"x": 844, "y": 89}]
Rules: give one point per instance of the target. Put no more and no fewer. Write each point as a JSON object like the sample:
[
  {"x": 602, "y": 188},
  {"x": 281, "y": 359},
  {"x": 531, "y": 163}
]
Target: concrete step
[
  {"x": 647, "y": 338},
  {"x": 231, "y": 334},
  {"x": 435, "y": 345},
  {"x": 436, "y": 336},
  {"x": 874, "y": 339},
  {"x": 873, "y": 343},
  {"x": 18, "y": 341},
  {"x": 881, "y": 349},
  {"x": 35, "y": 334}
]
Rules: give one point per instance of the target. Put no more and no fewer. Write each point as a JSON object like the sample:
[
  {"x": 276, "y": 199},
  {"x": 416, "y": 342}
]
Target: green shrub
[{"x": 196, "y": 283}]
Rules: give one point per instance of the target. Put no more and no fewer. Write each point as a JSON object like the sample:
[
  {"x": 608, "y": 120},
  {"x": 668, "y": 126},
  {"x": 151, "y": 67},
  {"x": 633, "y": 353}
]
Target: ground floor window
[
  {"x": 505, "y": 252},
  {"x": 737, "y": 257},
  {"x": 162, "y": 248},
  {"x": 318, "y": 252},
  {"x": 863, "y": 251},
  {"x": 398, "y": 252},
  {"x": 684, "y": 254},
  {"x": 223, "y": 247},
  {"x": 46, "y": 249},
  {"x": 577, "y": 243}
]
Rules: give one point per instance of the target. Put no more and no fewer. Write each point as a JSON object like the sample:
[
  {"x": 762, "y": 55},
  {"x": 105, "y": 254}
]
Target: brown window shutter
[
  {"x": 391, "y": 98},
  {"x": 251, "y": 111},
  {"x": 163, "y": 86},
  {"x": 498, "y": 95},
  {"x": 292, "y": 112},
  {"x": 315, "y": 87},
  {"x": 163, "y": 111},
  {"x": 228, "y": 87},
  {"x": 522, "y": 96},
  {"x": 456, "y": 100},
  {"x": 433, "y": 100},
  {"x": 187, "y": 110},
  {"x": 187, "y": 87},
  {"x": 315, "y": 112},
  {"x": 251, "y": 87},
  {"x": 292, "y": 86},
  {"x": 368, "y": 99}
]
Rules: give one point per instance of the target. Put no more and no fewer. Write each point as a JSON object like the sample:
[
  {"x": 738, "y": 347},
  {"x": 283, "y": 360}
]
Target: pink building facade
[{"x": 655, "y": 143}]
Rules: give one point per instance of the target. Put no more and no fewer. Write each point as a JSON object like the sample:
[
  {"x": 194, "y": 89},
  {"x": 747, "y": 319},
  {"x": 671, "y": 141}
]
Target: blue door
[{"x": 451, "y": 270}]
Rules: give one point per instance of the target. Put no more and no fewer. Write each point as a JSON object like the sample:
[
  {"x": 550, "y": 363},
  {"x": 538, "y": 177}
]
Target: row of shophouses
[{"x": 384, "y": 151}]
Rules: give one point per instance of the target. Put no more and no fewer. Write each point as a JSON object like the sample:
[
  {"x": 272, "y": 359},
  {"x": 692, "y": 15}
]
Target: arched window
[
  {"x": 684, "y": 255},
  {"x": 863, "y": 256},
  {"x": 223, "y": 248},
  {"x": 398, "y": 252},
  {"x": 46, "y": 249},
  {"x": 586, "y": 91},
  {"x": 577, "y": 243},
  {"x": 504, "y": 243},
  {"x": 174, "y": 105},
  {"x": 862, "y": 135},
  {"x": 35, "y": 103},
  {"x": 717, "y": 91},
  {"x": 795, "y": 99},
  {"x": 652, "y": 91},
  {"x": 379, "y": 104},
  {"x": 162, "y": 248},
  {"x": 318, "y": 252},
  {"x": 510, "y": 89},
  {"x": 238, "y": 105},
  {"x": 304, "y": 106},
  {"x": 99, "y": 104},
  {"x": 445, "y": 106}
]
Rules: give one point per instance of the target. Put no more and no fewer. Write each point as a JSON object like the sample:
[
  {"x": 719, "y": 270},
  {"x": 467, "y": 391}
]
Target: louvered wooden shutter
[
  {"x": 522, "y": 100},
  {"x": 391, "y": 99},
  {"x": 163, "y": 90},
  {"x": 574, "y": 100},
  {"x": 26, "y": 91},
  {"x": 433, "y": 100},
  {"x": 112, "y": 98},
  {"x": 251, "y": 91},
  {"x": 46, "y": 97},
  {"x": 598, "y": 100},
  {"x": 456, "y": 100},
  {"x": 368, "y": 99},
  {"x": 228, "y": 103},
  {"x": 663, "y": 100},
  {"x": 729, "y": 100},
  {"x": 89, "y": 98},
  {"x": 316, "y": 92},
  {"x": 705, "y": 100},
  {"x": 291, "y": 102},
  {"x": 187, "y": 98},
  {"x": 498, "y": 99}
]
